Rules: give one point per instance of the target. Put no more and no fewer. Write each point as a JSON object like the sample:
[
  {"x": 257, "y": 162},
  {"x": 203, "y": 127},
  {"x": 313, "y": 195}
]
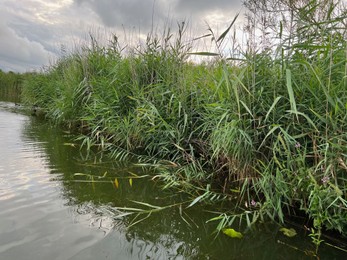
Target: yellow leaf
[
  {"x": 288, "y": 232},
  {"x": 232, "y": 233},
  {"x": 70, "y": 144},
  {"x": 131, "y": 182},
  {"x": 116, "y": 183}
]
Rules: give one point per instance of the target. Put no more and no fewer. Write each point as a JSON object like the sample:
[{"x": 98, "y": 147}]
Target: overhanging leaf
[
  {"x": 291, "y": 91},
  {"x": 197, "y": 199},
  {"x": 222, "y": 36},
  {"x": 204, "y": 53},
  {"x": 204, "y": 36}
]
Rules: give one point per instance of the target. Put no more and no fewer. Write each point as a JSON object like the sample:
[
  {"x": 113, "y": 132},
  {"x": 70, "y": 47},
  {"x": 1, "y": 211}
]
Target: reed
[
  {"x": 10, "y": 86},
  {"x": 268, "y": 131}
]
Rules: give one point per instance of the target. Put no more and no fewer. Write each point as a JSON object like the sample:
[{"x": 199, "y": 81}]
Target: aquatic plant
[{"x": 265, "y": 129}]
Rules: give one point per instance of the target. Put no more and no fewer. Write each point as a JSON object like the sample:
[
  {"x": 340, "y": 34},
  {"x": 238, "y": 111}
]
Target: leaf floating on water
[
  {"x": 232, "y": 233},
  {"x": 131, "y": 182},
  {"x": 116, "y": 183},
  {"x": 133, "y": 174},
  {"x": 288, "y": 232},
  {"x": 79, "y": 174},
  {"x": 70, "y": 144}
]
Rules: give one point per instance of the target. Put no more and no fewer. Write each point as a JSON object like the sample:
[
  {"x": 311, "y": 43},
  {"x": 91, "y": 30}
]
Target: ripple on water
[{"x": 35, "y": 221}]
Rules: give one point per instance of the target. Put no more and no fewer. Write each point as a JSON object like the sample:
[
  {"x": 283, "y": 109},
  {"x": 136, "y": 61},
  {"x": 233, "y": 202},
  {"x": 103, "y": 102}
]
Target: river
[{"x": 50, "y": 209}]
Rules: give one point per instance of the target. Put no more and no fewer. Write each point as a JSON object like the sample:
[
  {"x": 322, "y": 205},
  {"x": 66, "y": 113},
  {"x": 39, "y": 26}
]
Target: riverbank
[
  {"x": 46, "y": 205},
  {"x": 267, "y": 131}
]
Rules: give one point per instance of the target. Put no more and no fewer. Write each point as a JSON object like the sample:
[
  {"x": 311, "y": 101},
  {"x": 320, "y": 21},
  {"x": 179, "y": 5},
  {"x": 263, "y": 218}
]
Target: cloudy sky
[{"x": 33, "y": 31}]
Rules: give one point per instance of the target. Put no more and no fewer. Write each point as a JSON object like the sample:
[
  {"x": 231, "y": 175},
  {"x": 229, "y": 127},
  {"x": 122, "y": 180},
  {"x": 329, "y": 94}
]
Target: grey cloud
[
  {"x": 33, "y": 30},
  {"x": 28, "y": 43},
  {"x": 129, "y": 13},
  {"x": 139, "y": 14},
  {"x": 20, "y": 52},
  {"x": 204, "y": 6}
]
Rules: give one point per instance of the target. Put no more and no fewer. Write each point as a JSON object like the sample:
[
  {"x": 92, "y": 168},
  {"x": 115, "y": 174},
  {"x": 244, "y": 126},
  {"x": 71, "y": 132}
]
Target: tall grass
[
  {"x": 10, "y": 86},
  {"x": 268, "y": 131}
]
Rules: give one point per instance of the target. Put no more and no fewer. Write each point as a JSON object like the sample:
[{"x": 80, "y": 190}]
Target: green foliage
[
  {"x": 267, "y": 131},
  {"x": 10, "y": 85}
]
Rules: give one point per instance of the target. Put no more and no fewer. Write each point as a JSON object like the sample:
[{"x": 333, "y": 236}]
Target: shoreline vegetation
[
  {"x": 266, "y": 129},
  {"x": 11, "y": 85}
]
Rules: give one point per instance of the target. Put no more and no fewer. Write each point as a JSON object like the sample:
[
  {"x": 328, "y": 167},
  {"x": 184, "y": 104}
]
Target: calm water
[{"x": 47, "y": 212}]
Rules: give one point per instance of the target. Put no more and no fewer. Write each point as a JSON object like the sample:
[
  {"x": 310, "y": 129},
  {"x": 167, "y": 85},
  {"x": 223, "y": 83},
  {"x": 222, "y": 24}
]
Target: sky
[{"x": 32, "y": 32}]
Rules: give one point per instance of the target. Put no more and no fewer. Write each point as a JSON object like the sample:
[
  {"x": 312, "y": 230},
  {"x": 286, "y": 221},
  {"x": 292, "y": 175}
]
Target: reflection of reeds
[{"x": 263, "y": 130}]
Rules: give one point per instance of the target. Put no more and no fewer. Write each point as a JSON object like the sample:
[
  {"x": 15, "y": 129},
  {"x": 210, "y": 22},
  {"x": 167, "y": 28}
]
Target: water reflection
[
  {"x": 48, "y": 213},
  {"x": 162, "y": 236}
]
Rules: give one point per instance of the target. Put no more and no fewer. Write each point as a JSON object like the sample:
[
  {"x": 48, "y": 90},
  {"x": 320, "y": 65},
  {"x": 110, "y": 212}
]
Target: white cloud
[{"x": 19, "y": 51}]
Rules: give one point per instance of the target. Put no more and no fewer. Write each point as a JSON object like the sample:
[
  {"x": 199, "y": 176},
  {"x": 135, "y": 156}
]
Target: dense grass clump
[
  {"x": 268, "y": 130},
  {"x": 10, "y": 85}
]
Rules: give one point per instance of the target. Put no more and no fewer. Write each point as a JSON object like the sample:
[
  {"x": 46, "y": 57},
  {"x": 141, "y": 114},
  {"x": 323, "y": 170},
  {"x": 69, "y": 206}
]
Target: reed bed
[
  {"x": 266, "y": 129},
  {"x": 10, "y": 85}
]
